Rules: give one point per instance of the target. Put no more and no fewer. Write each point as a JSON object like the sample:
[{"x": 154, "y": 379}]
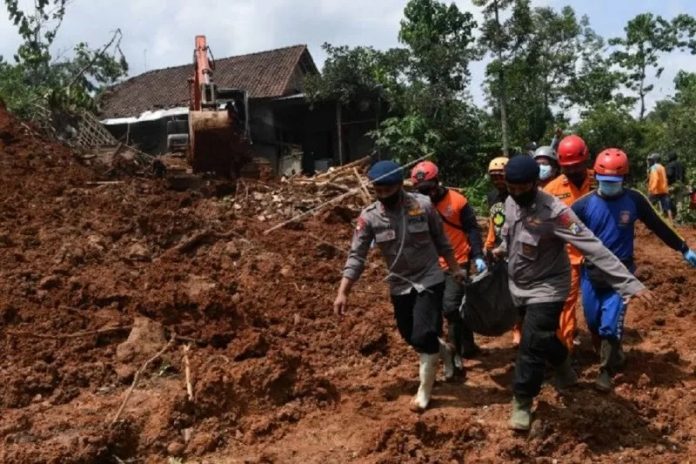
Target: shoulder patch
[
  {"x": 360, "y": 224},
  {"x": 568, "y": 221}
]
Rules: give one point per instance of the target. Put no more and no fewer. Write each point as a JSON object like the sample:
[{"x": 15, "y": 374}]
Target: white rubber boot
[
  {"x": 447, "y": 357},
  {"x": 428, "y": 368}
]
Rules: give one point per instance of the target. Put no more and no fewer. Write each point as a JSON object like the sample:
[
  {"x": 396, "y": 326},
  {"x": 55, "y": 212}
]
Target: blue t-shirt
[{"x": 613, "y": 219}]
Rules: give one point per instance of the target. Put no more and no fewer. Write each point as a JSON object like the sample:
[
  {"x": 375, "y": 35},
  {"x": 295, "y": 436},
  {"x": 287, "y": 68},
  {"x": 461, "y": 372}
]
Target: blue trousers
[{"x": 604, "y": 309}]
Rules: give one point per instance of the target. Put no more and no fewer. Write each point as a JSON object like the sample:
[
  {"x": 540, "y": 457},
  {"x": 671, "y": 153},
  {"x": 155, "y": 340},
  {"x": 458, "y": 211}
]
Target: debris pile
[
  {"x": 339, "y": 189},
  {"x": 144, "y": 324}
]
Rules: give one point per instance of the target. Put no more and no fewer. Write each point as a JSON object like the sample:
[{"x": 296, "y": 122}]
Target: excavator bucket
[{"x": 215, "y": 145}]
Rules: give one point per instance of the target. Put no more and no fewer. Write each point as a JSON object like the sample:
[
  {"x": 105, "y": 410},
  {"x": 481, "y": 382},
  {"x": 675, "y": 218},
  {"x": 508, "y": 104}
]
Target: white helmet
[{"x": 545, "y": 152}]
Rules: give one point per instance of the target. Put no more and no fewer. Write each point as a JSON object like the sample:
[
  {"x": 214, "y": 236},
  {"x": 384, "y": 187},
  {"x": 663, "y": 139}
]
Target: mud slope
[{"x": 96, "y": 279}]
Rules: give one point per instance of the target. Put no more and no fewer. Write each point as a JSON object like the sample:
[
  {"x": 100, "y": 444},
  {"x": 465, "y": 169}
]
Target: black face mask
[
  {"x": 392, "y": 200},
  {"x": 577, "y": 178},
  {"x": 525, "y": 199},
  {"x": 436, "y": 194}
]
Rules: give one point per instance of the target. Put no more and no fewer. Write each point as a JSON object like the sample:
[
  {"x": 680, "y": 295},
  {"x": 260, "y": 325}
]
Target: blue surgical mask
[
  {"x": 610, "y": 189},
  {"x": 545, "y": 171}
]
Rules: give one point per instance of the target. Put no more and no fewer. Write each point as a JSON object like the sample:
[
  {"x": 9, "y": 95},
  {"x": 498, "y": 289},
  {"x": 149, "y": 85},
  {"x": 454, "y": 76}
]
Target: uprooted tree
[{"x": 37, "y": 80}]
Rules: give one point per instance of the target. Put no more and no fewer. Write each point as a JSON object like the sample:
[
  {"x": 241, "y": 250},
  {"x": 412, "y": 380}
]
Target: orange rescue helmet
[
  {"x": 423, "y": 172},
  {"x": 611, "y": 165},
  {"x": 572, "y": 151}
]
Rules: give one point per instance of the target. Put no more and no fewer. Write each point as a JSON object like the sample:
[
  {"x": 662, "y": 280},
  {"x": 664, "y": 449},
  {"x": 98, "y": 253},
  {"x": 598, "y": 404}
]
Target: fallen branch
[
  {"x": 334, "y": 200},
  {"x": 187, "y": 371},
  {"x": 137, "y": 376},
  {"x": 363, "y": 189},
  {"x": 64, "y": 336},
  {"x": 105, "y": 182},
  {"x": 343, "y": 169}
]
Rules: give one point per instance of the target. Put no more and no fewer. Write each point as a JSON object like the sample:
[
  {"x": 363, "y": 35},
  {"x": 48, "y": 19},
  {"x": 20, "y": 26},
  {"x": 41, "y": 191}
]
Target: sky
[{"x": 160, "y": 33}]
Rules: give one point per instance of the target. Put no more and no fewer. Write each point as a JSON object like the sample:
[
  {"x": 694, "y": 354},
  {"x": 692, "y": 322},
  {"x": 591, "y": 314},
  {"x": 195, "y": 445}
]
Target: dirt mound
[{"x": 95, "y": 279}]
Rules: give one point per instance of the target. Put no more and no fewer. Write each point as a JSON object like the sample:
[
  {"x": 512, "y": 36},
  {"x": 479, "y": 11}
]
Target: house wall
[
  {"x": 148, "y": 136},
  {"x": 276, "y": 128}
]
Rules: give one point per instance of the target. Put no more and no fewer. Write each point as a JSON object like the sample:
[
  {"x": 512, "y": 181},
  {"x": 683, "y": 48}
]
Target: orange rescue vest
[{"x": 450, "y": 209}]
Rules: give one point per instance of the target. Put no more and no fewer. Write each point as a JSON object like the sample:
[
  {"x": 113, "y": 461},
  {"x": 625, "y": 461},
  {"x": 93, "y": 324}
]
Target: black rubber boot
[
  {"x": 564, "y": 375},
  {"x": 454, "y": 337},
  {"x": 609, "y": 360},
  {"x": 619, "y": 361},
  {"x": 469, "y": 347}
]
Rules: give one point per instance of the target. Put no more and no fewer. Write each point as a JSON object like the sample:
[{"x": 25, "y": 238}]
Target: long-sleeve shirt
[
  {"x": 461, "y": 227},
  {"x": 563, "y": 189},
  {"x": 538, "y": 263},
  {"x": 657, "y": 180},
  {"x": 613, "y": 220},
  {"x": 675, "y": 172},
  {"x": 410, "y": 237}
]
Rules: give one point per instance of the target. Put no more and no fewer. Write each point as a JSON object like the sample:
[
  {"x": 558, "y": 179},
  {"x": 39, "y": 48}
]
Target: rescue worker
[
  {"x": 610, "y": 213},
  {"x": 496, "y": 219},
  {"x": 676, "y": 180},
  {"x": 658, "y": 189},
  {"x": 496, "y": 174},
  {"x": 548, "y": 165},
  {"x": 574, "y": 182},
  {"x": 537, "y": 229},
  {"x": 530, "y": 148},
  {"x": 410, "y": 235},
  {"x": 464, "y": 234}
]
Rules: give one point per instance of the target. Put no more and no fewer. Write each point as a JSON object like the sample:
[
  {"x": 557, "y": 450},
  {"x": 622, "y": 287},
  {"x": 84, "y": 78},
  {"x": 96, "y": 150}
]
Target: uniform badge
[
  {"x": 528, "y": 250},
  {"x": 498, "y": 219},
  {"x": 385, "y": 236},
  {"x": 625, "y": 217},
  {"x": 567, "y": 220}
]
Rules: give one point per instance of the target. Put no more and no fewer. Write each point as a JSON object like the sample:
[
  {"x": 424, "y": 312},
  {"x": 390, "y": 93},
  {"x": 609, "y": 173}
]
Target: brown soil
[{"x": 276, "y": 377}]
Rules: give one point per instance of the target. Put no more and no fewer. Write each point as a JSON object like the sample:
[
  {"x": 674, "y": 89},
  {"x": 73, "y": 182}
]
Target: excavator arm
[{"x": 217, "y": 139}]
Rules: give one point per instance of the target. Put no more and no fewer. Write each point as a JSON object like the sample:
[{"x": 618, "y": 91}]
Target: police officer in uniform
[
  {"x": 537, "y": 228},
  {"x": 410, "y": 235}
]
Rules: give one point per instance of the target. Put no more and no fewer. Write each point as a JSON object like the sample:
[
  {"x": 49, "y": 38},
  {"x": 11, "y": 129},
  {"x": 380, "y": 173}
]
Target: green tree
[
  {"x": 594, "y": 82},
  {"x": 35, "y": 78},
  {"x": 673, "y": 120},
  {"x": 611, "y": 125},
  {"x": 538, "y": 67},
  {"x": 431, "y": 112},
  {"x": 353, "y": 74},
  {"x": 495, "y": 37},
  {"x": 647, "y": 37}
]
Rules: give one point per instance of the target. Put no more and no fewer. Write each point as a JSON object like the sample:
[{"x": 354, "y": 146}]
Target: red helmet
[
  {"x": 611, "y": 165},
  {"x": 423, "y": 172},
  {"x": 571, "y": 151}
]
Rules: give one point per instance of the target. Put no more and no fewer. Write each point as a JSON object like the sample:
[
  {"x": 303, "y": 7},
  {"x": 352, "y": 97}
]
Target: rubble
[{"x": 274, "y": 374}]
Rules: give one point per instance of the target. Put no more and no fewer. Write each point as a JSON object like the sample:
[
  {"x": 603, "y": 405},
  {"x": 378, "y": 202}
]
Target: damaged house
[{"x": 284, "y": 128}]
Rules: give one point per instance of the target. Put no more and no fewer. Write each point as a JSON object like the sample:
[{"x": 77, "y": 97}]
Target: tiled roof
[{"x": 263, "y": 75}]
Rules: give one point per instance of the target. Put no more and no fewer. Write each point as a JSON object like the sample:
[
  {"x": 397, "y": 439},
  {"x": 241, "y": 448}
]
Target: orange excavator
[{"x": 218, "y": 138}]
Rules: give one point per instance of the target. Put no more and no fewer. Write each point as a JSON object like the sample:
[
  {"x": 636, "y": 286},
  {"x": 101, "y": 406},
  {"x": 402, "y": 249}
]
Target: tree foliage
[
  {"x": 545, "y": 67},
  {"x": 37, "y": 78},
  {"x": 647, "y": 37}
]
